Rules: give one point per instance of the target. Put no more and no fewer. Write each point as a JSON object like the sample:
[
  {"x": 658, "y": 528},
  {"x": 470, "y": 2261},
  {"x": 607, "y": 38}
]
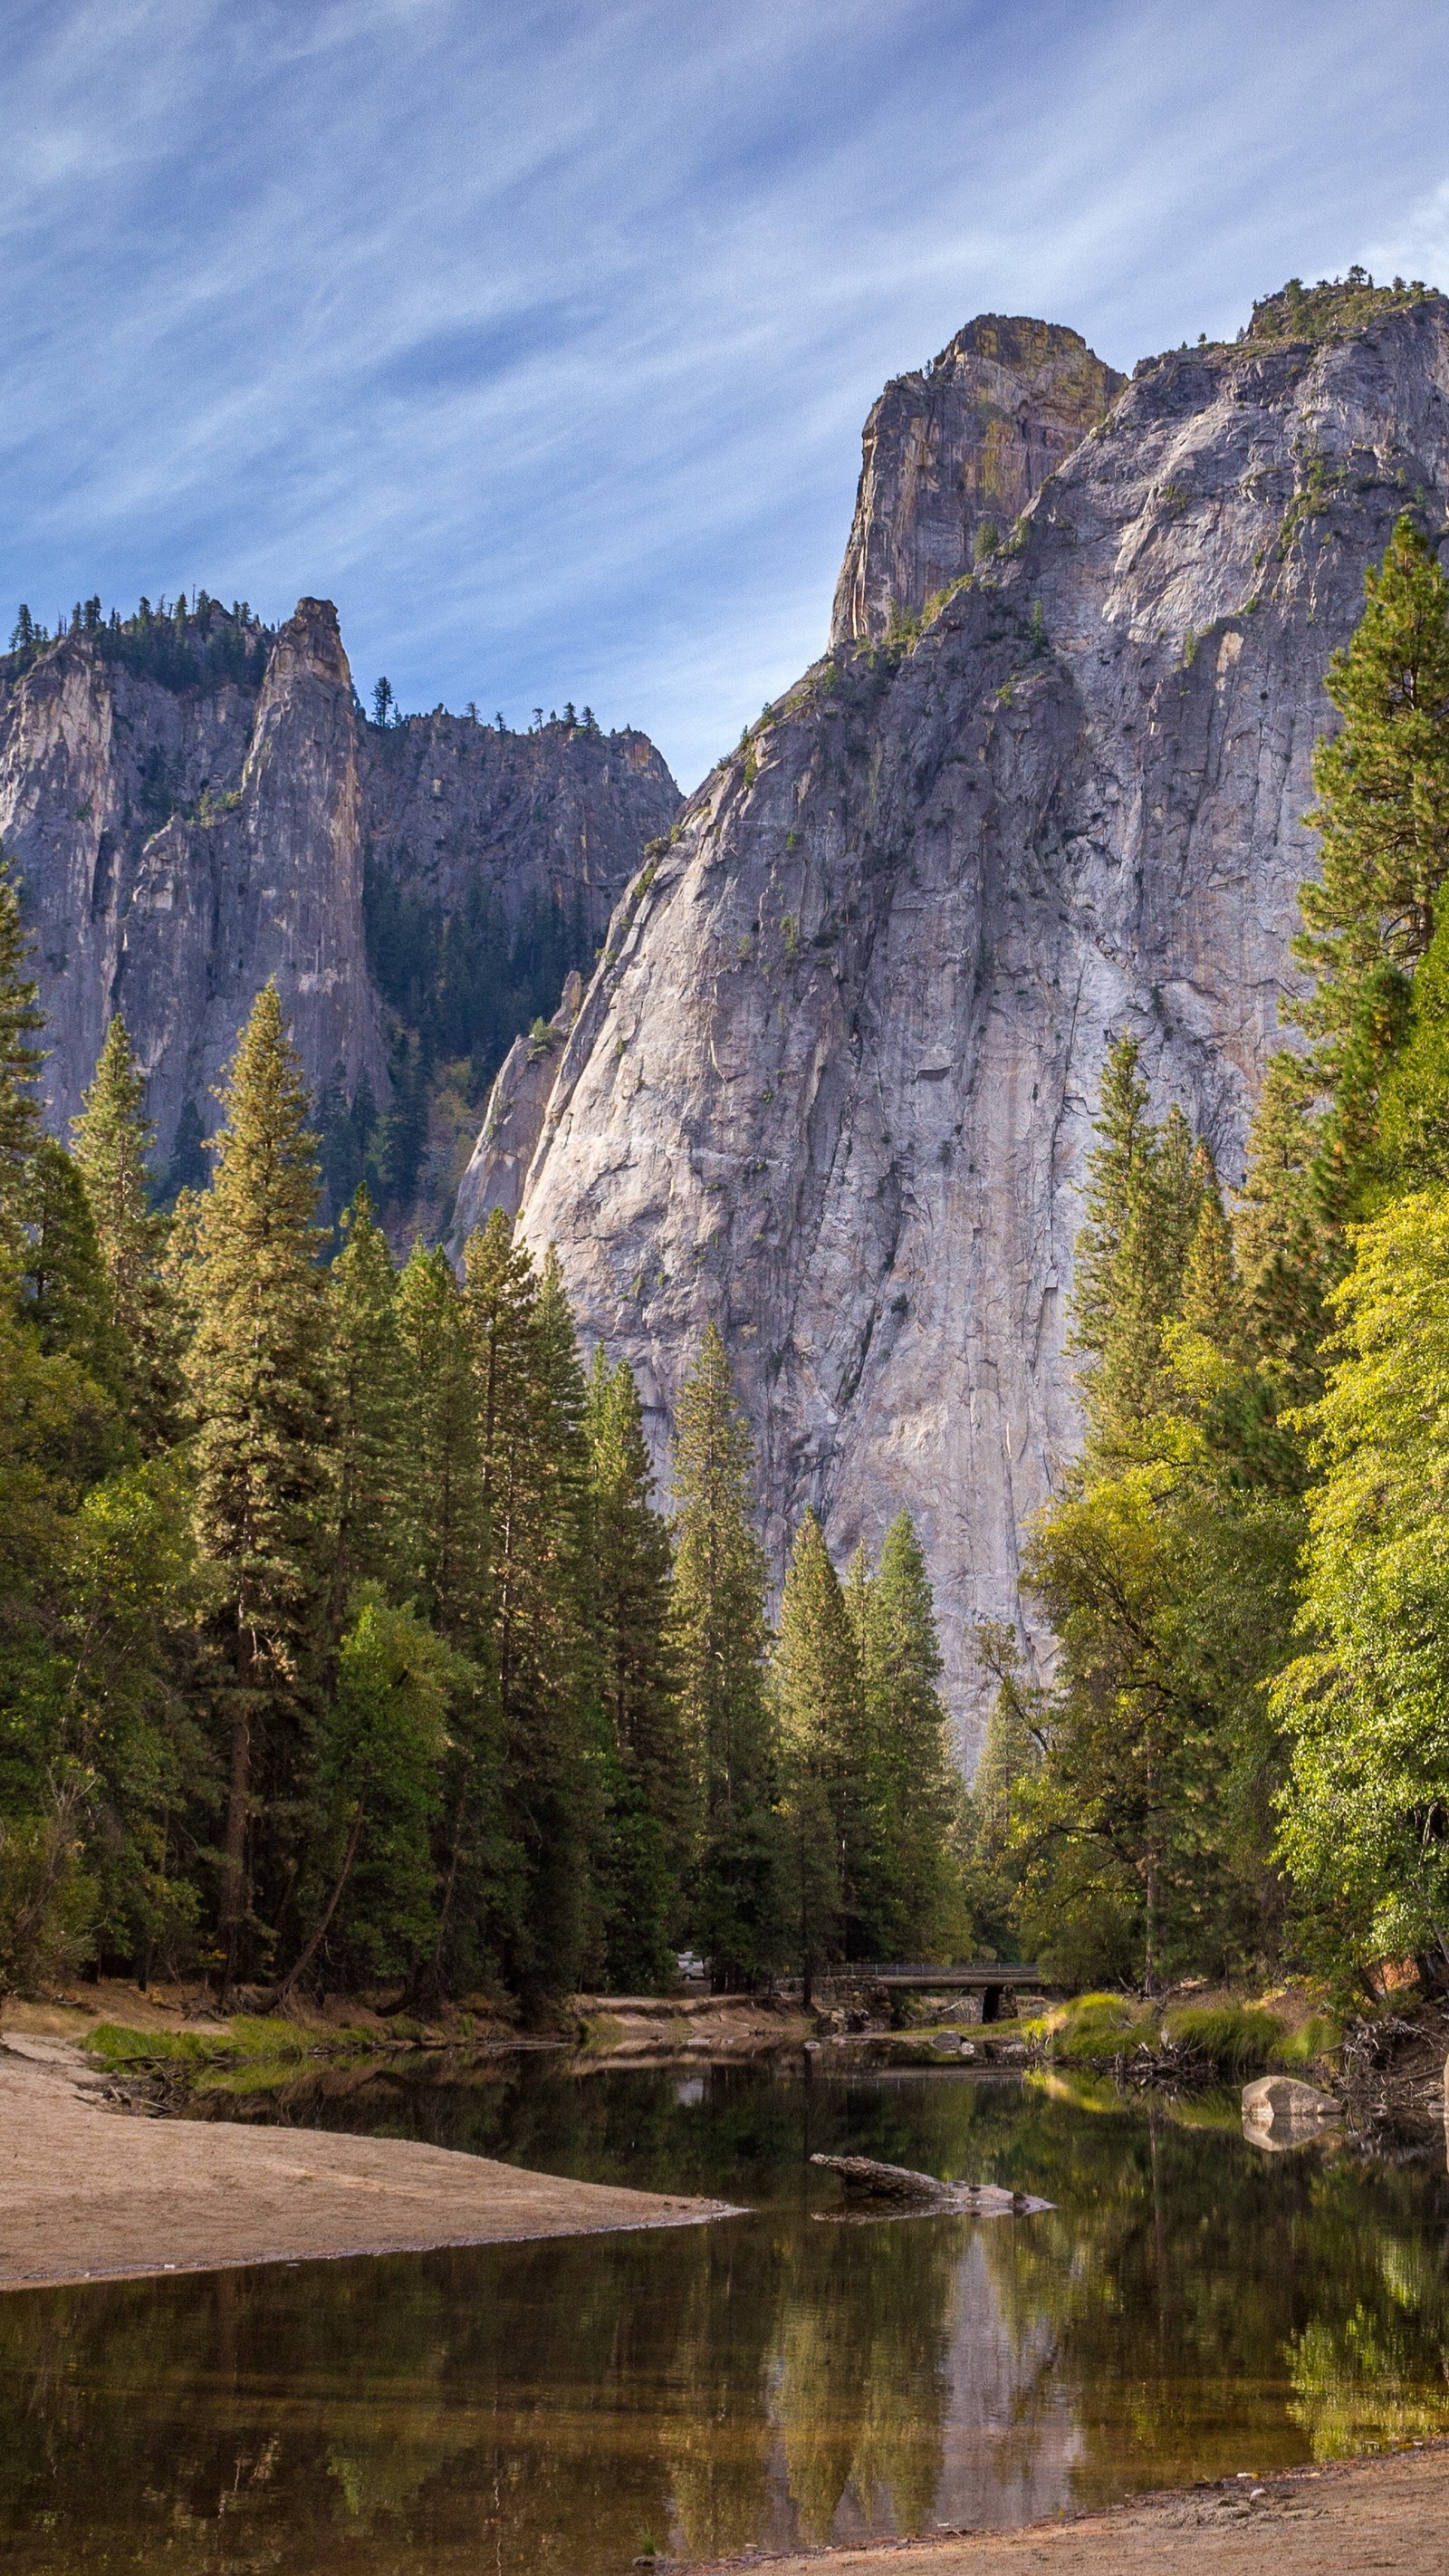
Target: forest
[
  {"x": 342, "y": 1643},
  {"x": 345, "y": 1642},
  {"x": 1241, "y": 1759}
]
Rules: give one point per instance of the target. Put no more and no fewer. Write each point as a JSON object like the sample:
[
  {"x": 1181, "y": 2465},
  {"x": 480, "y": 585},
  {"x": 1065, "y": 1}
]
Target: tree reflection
[{"x": 1188, "y": 2308}]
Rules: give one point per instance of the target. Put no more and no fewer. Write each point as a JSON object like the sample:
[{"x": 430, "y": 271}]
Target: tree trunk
[
  {"x": 306, "y": 1957},
  {"x": 233, "y": 1882}
]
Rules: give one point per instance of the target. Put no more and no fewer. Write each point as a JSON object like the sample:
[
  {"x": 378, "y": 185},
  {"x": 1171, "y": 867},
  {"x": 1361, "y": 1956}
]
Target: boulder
[{"x": 1283, "y": 2097}]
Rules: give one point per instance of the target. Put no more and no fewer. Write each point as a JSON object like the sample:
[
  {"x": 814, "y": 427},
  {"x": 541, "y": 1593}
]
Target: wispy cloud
[{"x": 540, "y": 336}]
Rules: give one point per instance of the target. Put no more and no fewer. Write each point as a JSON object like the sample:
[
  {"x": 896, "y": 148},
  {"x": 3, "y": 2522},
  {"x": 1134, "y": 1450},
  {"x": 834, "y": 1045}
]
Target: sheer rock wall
[
  {"x": 833, "y": 1081},
  {"x": 279, "y": 796}
]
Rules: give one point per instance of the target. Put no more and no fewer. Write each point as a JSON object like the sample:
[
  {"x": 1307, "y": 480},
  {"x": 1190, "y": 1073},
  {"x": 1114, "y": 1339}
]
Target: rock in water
[
  {"x": 1283, "y": 2097},
  {"x": 832, "y": 1083}
]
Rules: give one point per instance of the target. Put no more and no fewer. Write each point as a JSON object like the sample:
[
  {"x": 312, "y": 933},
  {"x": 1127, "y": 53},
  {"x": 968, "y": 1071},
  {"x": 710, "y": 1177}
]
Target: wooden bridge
[{"x": 990, "y": 1978}]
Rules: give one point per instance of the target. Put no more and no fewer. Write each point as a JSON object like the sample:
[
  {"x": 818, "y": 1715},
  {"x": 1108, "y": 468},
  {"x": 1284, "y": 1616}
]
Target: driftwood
[{"x": 896, "y": 2188}]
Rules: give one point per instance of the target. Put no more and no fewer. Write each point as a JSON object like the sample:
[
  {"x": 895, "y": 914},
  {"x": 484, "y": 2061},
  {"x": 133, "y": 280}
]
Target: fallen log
[{"x": 922, "y": 2196}]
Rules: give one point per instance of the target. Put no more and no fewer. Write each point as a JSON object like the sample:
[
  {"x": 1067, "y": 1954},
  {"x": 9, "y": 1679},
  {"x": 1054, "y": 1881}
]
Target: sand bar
[
  {"x": 1389, "y": 2515},
  {"x": 88, "y": 2193}
]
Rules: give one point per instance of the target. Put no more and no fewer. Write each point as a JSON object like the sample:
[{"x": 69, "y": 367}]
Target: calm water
[{"x": 1191, "y": 2308}]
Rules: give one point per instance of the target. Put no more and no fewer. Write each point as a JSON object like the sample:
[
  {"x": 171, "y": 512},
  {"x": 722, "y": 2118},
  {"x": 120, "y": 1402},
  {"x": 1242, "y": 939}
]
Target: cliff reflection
[{"x": 1188, "y": 2309}]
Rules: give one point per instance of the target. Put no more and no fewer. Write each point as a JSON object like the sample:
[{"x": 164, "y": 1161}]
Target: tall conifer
[
  {"x": 258, "y": 1381},
  {"x": 1382, "y": 785},
  {"x": 534, "y": 1484},
  {"x": 923, "y": 1792},
  {"x": 720, "y": 1636},
  {"x": 113, "y": 1145},
  {"x": 651, "y": 1825},
  {"x": 369, "y": 1413},
  {"x": 817, "y": 1690},
  {"x": 20, "y": 1062}
]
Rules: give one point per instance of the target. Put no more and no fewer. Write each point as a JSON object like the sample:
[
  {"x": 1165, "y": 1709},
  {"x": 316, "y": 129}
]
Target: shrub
[{"x": 1236, "y": 2039}]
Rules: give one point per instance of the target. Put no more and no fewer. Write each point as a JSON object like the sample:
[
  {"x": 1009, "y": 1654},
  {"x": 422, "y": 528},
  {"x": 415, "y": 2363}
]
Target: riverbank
[
  {"x": 1387, "y": 2514},
  {"x": 91, "y": 2192}
]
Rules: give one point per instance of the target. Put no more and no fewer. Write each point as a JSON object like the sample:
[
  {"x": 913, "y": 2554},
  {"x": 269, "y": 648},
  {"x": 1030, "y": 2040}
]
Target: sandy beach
[
  {"x": 1386, "y": 2515},
  {"x": 89, "y": 2193}
]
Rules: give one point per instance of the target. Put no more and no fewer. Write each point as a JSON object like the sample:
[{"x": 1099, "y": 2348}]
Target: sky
[{"x": 540, "y": 337}]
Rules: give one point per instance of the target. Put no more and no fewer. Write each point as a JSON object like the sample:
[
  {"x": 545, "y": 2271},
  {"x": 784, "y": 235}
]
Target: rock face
[
  {"x": 511, "y": 1128},
  {"x": 952, "y": 456},
  {"x": 182, "y": 837},
  {"x": 832, "y": 1084}
]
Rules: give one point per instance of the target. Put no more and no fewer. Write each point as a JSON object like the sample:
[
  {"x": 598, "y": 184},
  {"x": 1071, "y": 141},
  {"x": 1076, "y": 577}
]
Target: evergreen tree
[
  {"x": 445, "y": 1566},
  {"x": 113, "y": 1147},
  {"x": 720, "y": 1640},
  {"x": 651, "y": 1827},
  {"x": 369, "y": 1413},
  {"x": 258, "y": 1381},
  {"x": 1414, "y": 1128},
  {"x": 65, "y": 1291},
  {"x": 1144, "y": 1200},
  {"x": 20, "y": 1062},
  {"x": 1365, "y": 1815},
  {"x": 817, "y": 1692},
  {"x": 1382, "y": 785},
  {"x": 1284, "y": 1247},
  {"x": 923, "y": 1792},
  {"x": 534, "y": 1484},
  {"x": 373, "y": 1878}
]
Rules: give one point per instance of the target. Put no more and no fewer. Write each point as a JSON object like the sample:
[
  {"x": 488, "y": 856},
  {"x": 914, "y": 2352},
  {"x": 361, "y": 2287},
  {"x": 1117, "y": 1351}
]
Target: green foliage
[
  {"x": 720, "y": 1643},
  {"x": 1331, "y": 309},
  {"x": 113, "y": 1147},
  {"x": 1365, "y": 1820},
  {"x": 1382, "y": 784},
  {"x": 259, "y": 1388},
  {"x": 652, "y": 1824},
  {"x": 20, "y": 1062},
  {"x": 818, "y": 1704}
]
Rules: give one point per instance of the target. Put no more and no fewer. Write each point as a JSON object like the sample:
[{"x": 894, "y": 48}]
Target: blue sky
[{"x": 540, "y": 337}]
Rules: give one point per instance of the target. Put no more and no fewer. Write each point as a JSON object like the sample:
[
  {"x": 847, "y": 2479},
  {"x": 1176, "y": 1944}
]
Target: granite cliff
[
  {"x": 196, "y": 804},
  {"x": 832, "y": 1082}
]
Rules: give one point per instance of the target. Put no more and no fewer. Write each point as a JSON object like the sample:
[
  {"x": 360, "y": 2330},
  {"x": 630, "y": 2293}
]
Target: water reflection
[{"x": 1189, "y": 2308}]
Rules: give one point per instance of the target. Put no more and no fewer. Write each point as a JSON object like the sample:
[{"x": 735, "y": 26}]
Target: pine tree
[
  {"x": 1284, "y": 1248},
  {"x": 720, "y": 1640},
  {"x": 369, "y": 1413},
  {"x": 113, "y": 1146},
  {"x": 924, "y": 1787},
  {"x": 651, "y": 1827},
  {"x": 1364, "y": 1810},
  {"x": 66, "y": 1293},
  {"x": 444, "y": 1524},
  {"x": 1414, "y": 1128},
  {"x": 258, "y": 1380},
  {"x": 445, "y": 1565},
  {"x": 1144, "y": 1200},
  {"x": 534, "y": 1485},
  {"x": 1382, "y": 786},
  {"x": 817, "y": 1692},
  {"x": 20, "y": 1062}
]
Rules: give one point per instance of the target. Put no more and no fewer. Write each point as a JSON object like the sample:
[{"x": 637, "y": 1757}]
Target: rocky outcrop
[
  {"x": 190, "y": 820},
  {"x": 264, "y": 880},
  {"x": 953, "y": 454},
  {"x": 833, "y": 1082}
]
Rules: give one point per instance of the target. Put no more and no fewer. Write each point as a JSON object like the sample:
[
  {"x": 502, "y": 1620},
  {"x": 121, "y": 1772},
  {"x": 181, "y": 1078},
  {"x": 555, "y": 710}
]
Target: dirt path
[
  {"x": 87, "y": 2193},
  {"x": 1384, "y": 2515}
]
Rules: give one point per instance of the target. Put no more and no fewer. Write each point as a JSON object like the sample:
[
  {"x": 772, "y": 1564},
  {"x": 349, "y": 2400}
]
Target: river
[{"x": 1191, "y": 2307}]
